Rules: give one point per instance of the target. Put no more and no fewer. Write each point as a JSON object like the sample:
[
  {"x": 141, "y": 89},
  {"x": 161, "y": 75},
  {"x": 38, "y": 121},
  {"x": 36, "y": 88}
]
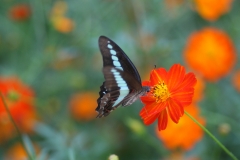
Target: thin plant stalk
[
  {"x": 16, "y": 127},
  {"x": 212, "y": 136}
]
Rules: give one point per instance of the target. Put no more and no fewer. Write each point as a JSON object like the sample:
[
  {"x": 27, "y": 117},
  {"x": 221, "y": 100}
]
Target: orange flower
[
  {"x": 212, "y": 9},
  {"x": 211, "y": 53},
  {"x": 17, "y": 152},
  {"x": 19, "y": 99},
  {"x": 58, "y": 19},
  {"x": 236, "y": 80},
  {"x": 180, "y": 155},
  {"x": 19, "y": 12},
  {"x": 170, "y": 92},
  {"x": 63, "y": 24},
  {"x": 188, "y": 132},
  {"x": 82, "y": 106}
]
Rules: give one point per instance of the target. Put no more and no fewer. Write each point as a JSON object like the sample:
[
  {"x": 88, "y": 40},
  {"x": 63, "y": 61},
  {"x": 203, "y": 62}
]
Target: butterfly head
[{"x": 146, "y": 89}]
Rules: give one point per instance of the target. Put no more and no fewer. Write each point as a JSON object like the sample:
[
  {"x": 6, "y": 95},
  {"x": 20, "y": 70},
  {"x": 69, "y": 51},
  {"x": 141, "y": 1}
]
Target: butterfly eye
[{"x": 148, "y": 90}]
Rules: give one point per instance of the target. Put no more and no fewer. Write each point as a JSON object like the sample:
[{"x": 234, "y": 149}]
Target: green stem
[
  {"x": 213, "y": 137},
  {"x": 16, "y": 127}
]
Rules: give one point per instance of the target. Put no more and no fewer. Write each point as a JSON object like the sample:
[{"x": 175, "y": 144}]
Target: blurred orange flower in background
[
  {"x": 170, "y": 93},
  {"x": 180, "y": 155},
  {"x": 210, "y": 52},
  {"x": 63, "y": 24},
  {"x": 20, "y": 12},
  {"x": 236, "y": 80},
  {"x": 82, "y": 106},
  {"x": 211, "y": 10},
  {"x": 17, "y": 152},
  {"x": 58, "y": 19},
  {"x": 185, "y": 134},
  {"x": 198, "y": 90},
  {"x": 19, "y": 99}
]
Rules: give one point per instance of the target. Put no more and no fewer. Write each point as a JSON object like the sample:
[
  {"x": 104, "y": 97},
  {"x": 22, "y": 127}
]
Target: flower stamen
[{"x": 160, "y": 91}]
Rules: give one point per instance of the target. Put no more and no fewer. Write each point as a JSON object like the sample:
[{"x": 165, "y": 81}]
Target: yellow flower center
[{"x": 160, "y": 92}]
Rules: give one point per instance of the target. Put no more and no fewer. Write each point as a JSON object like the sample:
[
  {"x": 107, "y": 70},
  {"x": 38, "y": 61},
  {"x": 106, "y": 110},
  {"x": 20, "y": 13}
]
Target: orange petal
[
  {"x": 147, "y": 98},
  {"x": 175, "y": 76},
  {"x": 189, "y": 81},
  {"x": 184, "y": 97},
  {"x": 148, "y": 107},
  {"x": 150, "y": 119},
  {"x": 175, "y": 110},
  {"x": 144, "y": 112},
  {"x": 159, "y": 107},
  {"x": 163, "y": 73},
  {"x": 153, "y": 108},
  {"x": 146, "y": 83},
  {"x": 157, "y": 75},
  {"x": 162, "y": 120}
]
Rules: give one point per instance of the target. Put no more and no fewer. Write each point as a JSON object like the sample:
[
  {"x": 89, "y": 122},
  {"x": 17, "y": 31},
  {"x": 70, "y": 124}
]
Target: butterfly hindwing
[{"x": 112, "y": 92}]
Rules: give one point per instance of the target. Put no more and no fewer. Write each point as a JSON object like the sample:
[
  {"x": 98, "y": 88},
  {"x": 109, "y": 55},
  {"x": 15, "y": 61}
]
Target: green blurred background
[{"x": 57, "y": 64}]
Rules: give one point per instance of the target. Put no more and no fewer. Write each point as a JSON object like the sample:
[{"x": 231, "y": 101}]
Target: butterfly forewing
[{"x": 114, "y": 56}]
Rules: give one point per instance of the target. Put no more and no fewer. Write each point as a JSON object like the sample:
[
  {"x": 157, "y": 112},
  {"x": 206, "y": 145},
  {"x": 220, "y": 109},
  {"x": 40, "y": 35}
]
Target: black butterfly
[{"x": 122, "y": 84}]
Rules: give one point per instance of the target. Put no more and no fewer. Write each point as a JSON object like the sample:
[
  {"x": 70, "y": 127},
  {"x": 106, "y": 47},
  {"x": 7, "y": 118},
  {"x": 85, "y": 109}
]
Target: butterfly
[{"x": 122, "y": 85}]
